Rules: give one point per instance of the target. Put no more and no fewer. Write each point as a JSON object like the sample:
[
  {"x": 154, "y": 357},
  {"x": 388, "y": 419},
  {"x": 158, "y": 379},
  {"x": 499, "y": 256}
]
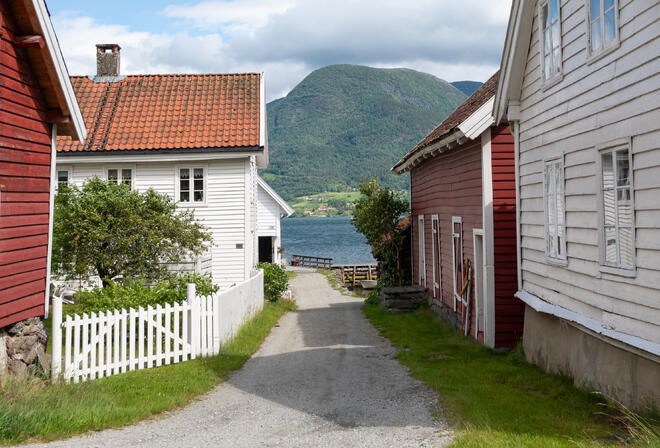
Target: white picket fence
[{"x": 114, "y": 342}]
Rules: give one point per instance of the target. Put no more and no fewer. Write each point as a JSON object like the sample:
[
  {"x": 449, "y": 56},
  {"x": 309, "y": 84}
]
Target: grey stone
[{"x": 18, "y": 368}]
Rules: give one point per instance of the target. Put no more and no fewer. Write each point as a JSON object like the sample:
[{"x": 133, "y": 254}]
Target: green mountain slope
[
  {"x": 345, "y": 123},
  {"x": 467, "y": 87}
]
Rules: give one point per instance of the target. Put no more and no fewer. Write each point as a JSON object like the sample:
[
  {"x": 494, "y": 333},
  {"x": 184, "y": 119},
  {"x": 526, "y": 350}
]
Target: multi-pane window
[
  {"x": 457, "y": 256},
  {"x": 618, "y": 208},
  {"x": 121, "y": 176},
  {"x": 603, "y": 29},
  {"x": 550, "y": 26},
  {"x": 62, "y": 178},
  {"x": 421, "y": 250},
  {"x": 191, "y": 185},
  {"x": 555, "y": 235},
  {"x": 437, "y": 260}
]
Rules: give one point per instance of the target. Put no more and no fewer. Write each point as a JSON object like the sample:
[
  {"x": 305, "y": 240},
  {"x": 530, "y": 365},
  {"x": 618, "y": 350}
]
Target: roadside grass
[
  {"x": 291, "y": 274},
  {"x": 31, "y": 411},
  {"x": 493, "y": 398}
]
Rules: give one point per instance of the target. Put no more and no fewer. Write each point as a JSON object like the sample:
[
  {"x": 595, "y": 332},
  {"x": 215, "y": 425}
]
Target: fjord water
[{"x": 334, "y": 238}]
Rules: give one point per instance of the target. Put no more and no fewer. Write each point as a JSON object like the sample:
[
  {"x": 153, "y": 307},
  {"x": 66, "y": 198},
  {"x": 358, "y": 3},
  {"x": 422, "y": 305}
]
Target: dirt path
[{"x": 323, "y": 378}]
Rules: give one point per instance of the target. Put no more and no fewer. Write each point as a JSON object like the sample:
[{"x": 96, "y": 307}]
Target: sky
[{"x": 454, "y": 40}]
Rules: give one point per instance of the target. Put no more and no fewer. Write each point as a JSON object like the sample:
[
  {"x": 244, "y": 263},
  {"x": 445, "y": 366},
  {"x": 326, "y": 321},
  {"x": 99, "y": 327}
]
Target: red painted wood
[{"x": 25, "y": 160}]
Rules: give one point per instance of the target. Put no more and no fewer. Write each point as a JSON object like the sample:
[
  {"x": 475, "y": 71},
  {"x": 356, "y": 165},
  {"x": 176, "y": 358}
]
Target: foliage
[
  {"x": 467, "y": 87},
  {"x": 135, "y": 293},
  {"x": 32, "y": 412},
  {"x": 333, "y": 204},
  {"x": 376, "y": 216},
  {"x": 493, "y": 398},
  {"x": 346, "y": 123},
  {"x": 108, "y": 230},
  {"x": 374, "y": 296},
  {"x": 276, "y": 281}
]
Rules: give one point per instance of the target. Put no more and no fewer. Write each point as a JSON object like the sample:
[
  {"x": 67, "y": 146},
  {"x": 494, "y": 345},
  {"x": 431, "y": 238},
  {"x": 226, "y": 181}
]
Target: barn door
[{"x": 437, "y": 262}]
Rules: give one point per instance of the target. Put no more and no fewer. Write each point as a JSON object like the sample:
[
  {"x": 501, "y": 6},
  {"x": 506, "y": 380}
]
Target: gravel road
[{"x": 323, "y": 378}]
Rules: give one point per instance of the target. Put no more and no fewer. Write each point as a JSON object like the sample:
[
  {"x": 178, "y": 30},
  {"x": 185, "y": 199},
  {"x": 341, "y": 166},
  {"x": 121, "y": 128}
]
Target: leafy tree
[
  {"x": 108, "y": 230},
  {"x": 376, "y": 216}
]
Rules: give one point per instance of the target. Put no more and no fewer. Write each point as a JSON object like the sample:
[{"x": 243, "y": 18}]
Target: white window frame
[
  {"x": 605, "y": 266},
  {"x": 557, "y": 73},
  {"x": 456, "y": 220},
  {"x": 68, "y": 170},
  {"x": 177, "y": 185},
  {"x": 606, "y": 49},
  {"x": 559, "y": 258},
  {"x": 421, "y": 248},
  {"x": 119, "y": 168},
  {"x": 435, "y": 239}
]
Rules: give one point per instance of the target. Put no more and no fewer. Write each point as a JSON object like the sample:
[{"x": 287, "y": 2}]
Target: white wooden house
[
  {"x": 198, "y": 138},
  {"x": 271, "y": 208},
  {"x": 580, "y": 84}
]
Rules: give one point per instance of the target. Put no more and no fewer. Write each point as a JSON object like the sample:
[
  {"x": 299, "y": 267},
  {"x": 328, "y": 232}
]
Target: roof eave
[{"x": 450, "y": 140}]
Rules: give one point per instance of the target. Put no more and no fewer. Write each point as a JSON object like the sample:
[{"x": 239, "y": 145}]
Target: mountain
[
  {"x": 467, "y": 87},
  {"x": 345, "y": 123}
]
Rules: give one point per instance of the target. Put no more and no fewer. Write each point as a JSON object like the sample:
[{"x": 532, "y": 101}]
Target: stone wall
[
  {"x": 23, "y": 349},
  {"x": 403, "y": 298}
]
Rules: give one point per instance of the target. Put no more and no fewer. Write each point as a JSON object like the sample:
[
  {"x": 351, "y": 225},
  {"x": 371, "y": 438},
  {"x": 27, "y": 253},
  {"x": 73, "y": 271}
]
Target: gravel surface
[{"x": 323, "y": 378}]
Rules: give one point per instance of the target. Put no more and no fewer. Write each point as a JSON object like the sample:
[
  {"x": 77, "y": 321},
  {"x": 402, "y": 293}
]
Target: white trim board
[
  {"x": 262, "y": 159},
  {"x": 122, "y": 157},
  {"x": 480, "y": 120},
  {"x": 542, "y": 306},
  {"x": 51, "y": 211}
]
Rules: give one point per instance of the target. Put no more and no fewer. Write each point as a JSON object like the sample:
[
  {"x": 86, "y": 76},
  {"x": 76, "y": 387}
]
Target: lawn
[
  {"x": 492, "y": 398},
  {"x": 31, "y": 412},
  {"x": 309, "y": 205}
]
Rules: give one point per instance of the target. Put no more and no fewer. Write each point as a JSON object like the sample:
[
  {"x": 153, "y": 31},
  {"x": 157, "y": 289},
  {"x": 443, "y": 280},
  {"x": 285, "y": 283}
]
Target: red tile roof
[
  {"x": 156, "y": 112},
  {"x": 469, "y": 106}
]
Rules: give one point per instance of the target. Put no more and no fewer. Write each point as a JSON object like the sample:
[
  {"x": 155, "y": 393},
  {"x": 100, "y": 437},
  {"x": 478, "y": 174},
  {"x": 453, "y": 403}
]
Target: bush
[
  {"x": 135, "y": 293},
  {"x": 374, "y": 296},
  {"x": 276, "y": 281}
]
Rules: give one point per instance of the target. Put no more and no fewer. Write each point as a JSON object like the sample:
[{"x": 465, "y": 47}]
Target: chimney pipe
[{"x": 107, "y": 59}]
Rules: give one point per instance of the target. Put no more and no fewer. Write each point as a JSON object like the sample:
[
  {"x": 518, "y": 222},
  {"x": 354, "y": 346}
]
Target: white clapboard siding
[
  {"x": 122, "y": 340},
  {"x": 617, "y": 96}
]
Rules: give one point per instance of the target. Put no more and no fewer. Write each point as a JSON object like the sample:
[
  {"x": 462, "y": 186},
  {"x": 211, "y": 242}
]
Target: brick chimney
[{"x": 107, "y": 59}]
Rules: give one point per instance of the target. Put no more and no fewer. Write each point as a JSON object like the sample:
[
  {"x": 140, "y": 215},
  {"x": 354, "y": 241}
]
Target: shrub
[
  {"x": 276, "y": 281},
  {"x": 374, "y": 296},
  {"x": 135, "y": 293}
]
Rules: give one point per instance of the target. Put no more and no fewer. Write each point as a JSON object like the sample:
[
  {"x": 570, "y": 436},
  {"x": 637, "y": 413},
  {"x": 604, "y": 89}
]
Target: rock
[
  {"x": 403, "y": 298},
  {"x": 18, "y": 368},
  {"x": 45, "y": 361},
  {"x": 24, "y": 348}
]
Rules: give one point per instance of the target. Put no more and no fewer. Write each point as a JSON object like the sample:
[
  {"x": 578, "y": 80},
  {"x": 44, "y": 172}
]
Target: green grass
[
  {"x": 30, "y": 411},
  {"x": 494, "y": 399}
]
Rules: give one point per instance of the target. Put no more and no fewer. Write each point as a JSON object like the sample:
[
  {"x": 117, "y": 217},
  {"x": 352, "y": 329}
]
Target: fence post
[
  {"x": 56, "y": 366},
  {"x": 193, "y": 326}
]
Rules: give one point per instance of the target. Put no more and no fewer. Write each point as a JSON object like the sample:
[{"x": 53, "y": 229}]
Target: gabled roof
[
  {"x": 33, "y": 22},
  {"x": 170, "y": 112},
  {"x": 469, "y": 120},
  {"x": 286, "y": 208}
]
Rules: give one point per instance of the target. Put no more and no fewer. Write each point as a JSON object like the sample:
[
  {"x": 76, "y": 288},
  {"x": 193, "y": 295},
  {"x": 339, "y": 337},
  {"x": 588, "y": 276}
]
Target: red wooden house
[
  {"x": 462, "y": 180},
  {"x": 37, "y": 103}
]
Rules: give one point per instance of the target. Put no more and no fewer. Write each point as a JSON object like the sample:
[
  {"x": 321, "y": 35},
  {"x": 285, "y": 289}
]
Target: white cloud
[{"x": 289, "y": 38}]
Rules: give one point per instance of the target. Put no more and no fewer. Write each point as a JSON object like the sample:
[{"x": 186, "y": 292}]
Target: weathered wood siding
[
  {"x": 225, "y": 212},
  {"x": 25, "y": 158},
  {"x": 448, "y": 185},
  {"x": 509, "y": 311},
  {"x": 617, "y": 96}
]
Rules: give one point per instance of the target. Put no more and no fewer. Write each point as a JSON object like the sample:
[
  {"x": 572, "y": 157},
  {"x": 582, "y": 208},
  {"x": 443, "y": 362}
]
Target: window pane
[
  {"x": 199, "y": 184},
  {"x": 610, "y": 29},
  {"x": 546, "y": 43},
  {"x": 184, "y": 173},
  {"x": 596, "y": 38},
  {"x": 556, "y": 35},
  {"x": 608, "y": 4},
  {"x": 625, "y": 209},
  {"x": 608, "y": 171},
  {"x": 560, "y": 239},
  {"x": 113, "y": 176},
  {"x": 63, "y": 177},
  {"x": 559, "y": 195},
  {"x": 626, "y": 246},
  {"x": 610, "y": 245},
  {"x": 552, "y": 240},
  {"x": 595, "y": 9},
  {"x": 199, "y": 173},
  {"x": 622, "y": 168},
  {"x": 126, "y": 176},
  {"x": 609, "y": 207},
  {"x": 199, "y": 196},
  {"x": 184, "y": 196},
  {"x": 547, "y": 67},
  {"x": 185, "y": 185},
  {"x": 546, "y": 17},
  {"x": 554, "y": 10},
  {"x": 557, "y": 60}
]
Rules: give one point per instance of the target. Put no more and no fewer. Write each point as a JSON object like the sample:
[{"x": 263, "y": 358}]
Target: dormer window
[
  {"x": 550, "y": 38},
  {"x": 603, "y": 25}
]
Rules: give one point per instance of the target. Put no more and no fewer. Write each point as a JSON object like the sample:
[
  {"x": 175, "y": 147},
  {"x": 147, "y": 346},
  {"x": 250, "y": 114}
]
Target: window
[
  {"x": 603, "y": 24},
  {"x": 555, "y": 225},
  {"x": 192, "y": 185},
  {"x": 437, "y": 269},
  {"x": 121, "y": 176},
  {"x": 550, "y": 38},
  {"x": 62, "y": 177},
  {"x": 457, "y": 256},
  {"x": 422, "y": 250},
  {"x": 618, "y": 208}
]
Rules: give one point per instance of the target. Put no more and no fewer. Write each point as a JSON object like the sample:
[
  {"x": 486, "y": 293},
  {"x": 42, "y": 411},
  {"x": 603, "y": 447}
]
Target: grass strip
[
  {"x": 493, "y": 398},
  {"x": 31, "y": 411}
]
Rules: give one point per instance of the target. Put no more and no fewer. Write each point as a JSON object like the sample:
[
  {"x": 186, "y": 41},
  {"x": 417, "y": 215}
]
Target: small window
[
  {"x": 618, "y": 208},
  {"x": 457, "y": 256},
  {"x": 555, "y": 225},
  {"x": 192, "y": 185},
  {"x": 62, "y": 178},
  {"x": 603, "y": 24},
  {"x": 550, "y": 38},
  {"x": 121, "y": 176}
]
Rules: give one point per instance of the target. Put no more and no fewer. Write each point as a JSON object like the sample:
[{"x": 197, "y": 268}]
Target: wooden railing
[
  {"x": 311, "y": 262},
  {"x": 352, "y": 274}
]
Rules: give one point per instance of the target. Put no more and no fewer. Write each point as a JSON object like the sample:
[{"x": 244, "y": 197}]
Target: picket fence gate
[{"x": 113, "y": 342}]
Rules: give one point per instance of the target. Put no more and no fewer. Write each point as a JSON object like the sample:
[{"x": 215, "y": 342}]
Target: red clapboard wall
[
  {"x": 509, "y": 311},
  {"x": 25, "y": 158},
  {"x": 448, "y": 184}
]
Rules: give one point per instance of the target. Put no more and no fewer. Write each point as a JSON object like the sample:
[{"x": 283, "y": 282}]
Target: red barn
[
  {"x": 37, "y": 104},
  {"x": 462, "y": 181}
]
